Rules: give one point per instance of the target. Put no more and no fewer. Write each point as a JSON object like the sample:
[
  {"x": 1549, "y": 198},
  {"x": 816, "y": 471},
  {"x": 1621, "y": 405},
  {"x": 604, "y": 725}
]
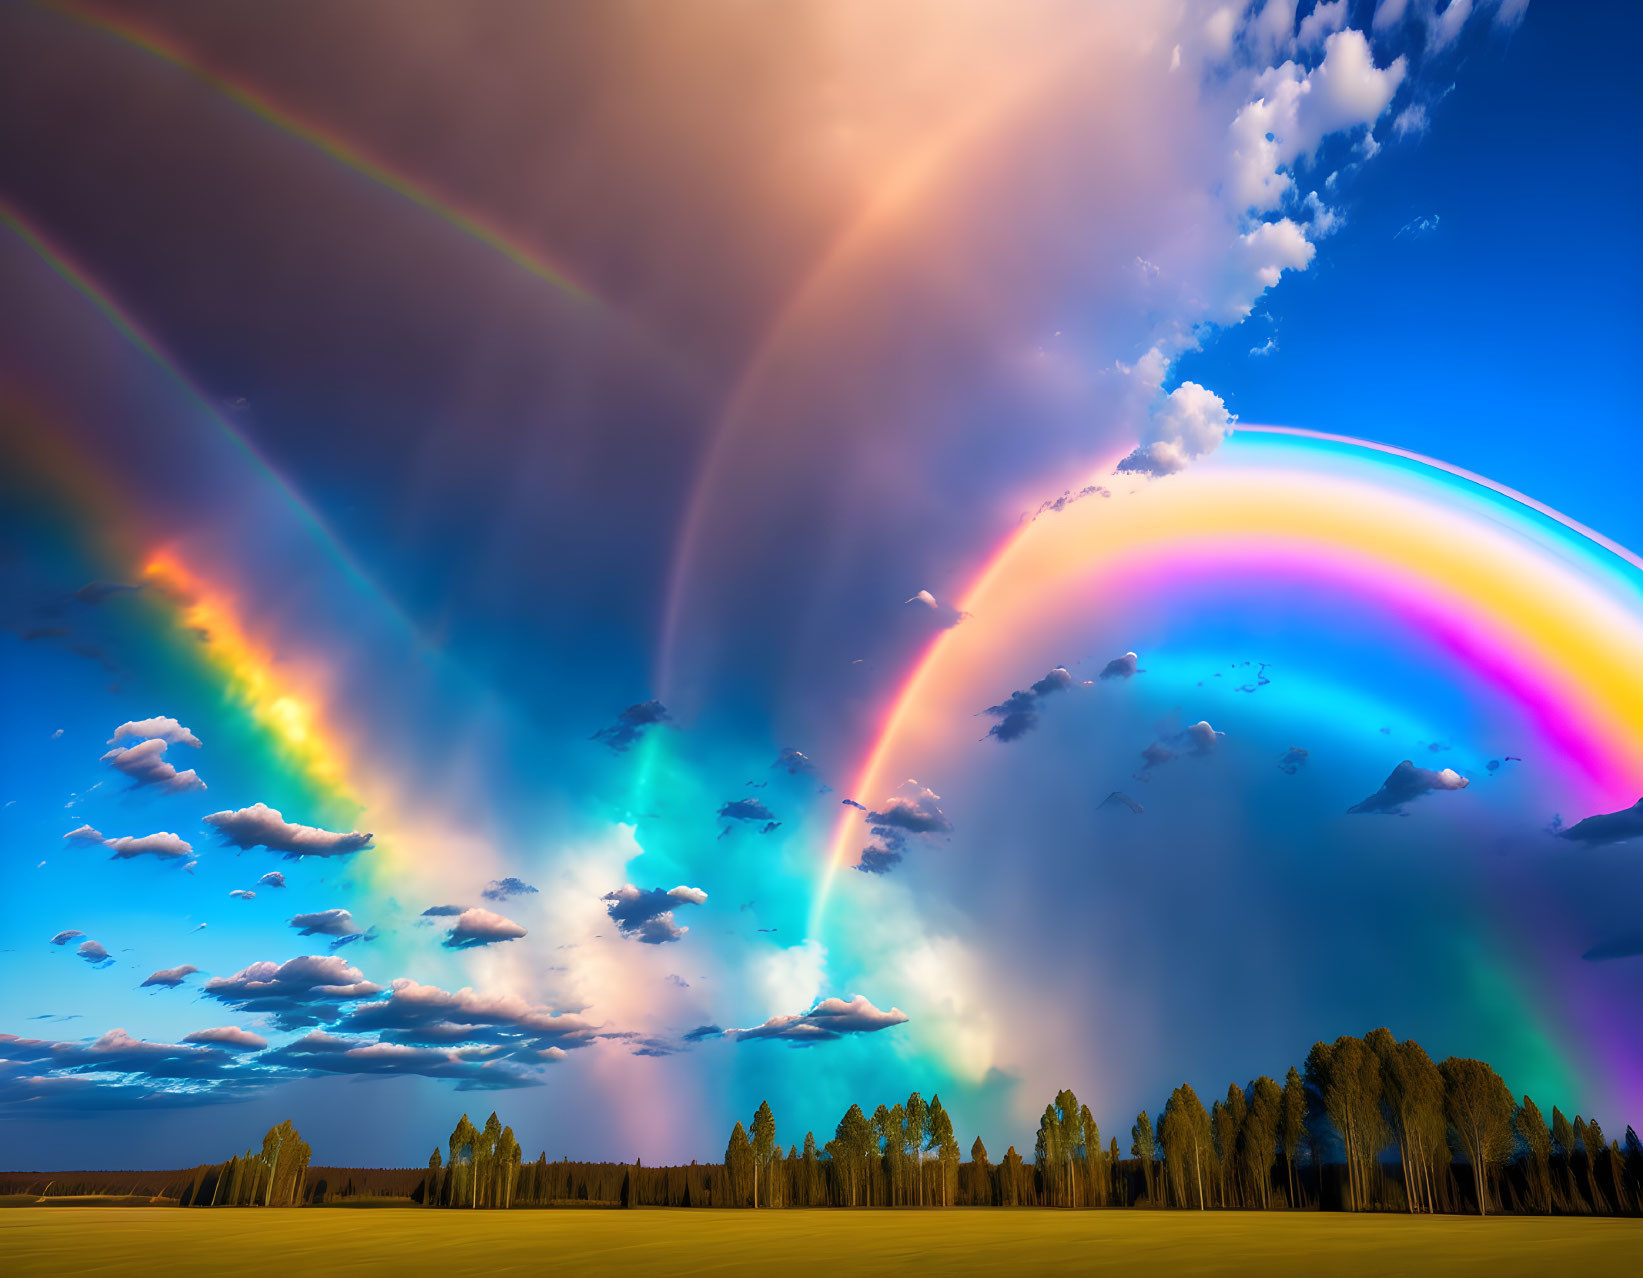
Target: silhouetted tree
[{"x": 1480, "y": 1110}]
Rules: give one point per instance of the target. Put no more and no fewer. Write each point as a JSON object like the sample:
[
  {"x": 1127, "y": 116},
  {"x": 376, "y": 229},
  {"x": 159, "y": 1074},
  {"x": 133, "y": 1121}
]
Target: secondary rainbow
[{"x": 1540, "y": 608}]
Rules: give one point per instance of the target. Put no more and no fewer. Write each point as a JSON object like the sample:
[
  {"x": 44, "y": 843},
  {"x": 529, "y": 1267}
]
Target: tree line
[{"x": 1363, "y": 1124}]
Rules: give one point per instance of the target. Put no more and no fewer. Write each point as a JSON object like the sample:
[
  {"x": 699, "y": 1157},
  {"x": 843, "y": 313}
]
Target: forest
[{"x": 1363, "y": 1124}]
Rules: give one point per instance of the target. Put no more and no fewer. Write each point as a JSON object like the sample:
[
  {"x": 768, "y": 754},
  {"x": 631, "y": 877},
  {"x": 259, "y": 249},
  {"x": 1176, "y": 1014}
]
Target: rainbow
[
  {"x": 148, "y": 346},
  {"x": 1547, "y": 613},
  {"x": 332, "y": 145}
]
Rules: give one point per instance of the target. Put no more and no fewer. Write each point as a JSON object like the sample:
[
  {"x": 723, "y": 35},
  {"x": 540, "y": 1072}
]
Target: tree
[
  {"x": 508, "y": 1155},
  {"x": 1187, "y": 1135},
  {"x": 285, "y": 1162},
  {"x": 1480, "y": 1110},
  {"x": 1223, "y": 1126},
  {"x": 738, "y": 1166},
  {"x": 430, "y": 1192},
  {"x": 1089, "y": 1136},
  {"x": 811, "y": 1169},
  {"x": 854, "y": 1139},
  {"x": 1347, "y": 1078},
  {"x": 1412, "y": 1097},
  {"x": 764, "y": 1141},
  {"x": 1537, "y": 1142},
  {"x": 1145, "y": 1148},
  {"x": 940, "y": 1139},
  {"x": 1563, "y": 1147},
  {"x": 463, "y": 1138},
  {"x": 915, "y": 1132},
  {"x": 1258, "y": 1139},
  {"x": 1112, "y": 1171},
  {"x": 981, "y": 1192},
  {"x": 1010, "y": 1177},
  {"x": 1292, "y": 1124}
]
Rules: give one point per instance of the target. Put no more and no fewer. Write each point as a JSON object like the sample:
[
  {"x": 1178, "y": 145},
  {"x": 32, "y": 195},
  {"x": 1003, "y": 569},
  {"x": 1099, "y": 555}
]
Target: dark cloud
[
  {"x": 703, "y": 1032},
  {"x": 1293, "y": 759},
  {"x": 99, "y": 592},
  {"x": 427, "y": 1016},
  {"x": 1067, "y": 498},
  {"x": 904, "y": 815},
  {"x": 170, "y": 977},
  {"x": 851, "y": 803},
  {"x": 1199, "y": 739},
  {"x": 1118, "y": 799},
  {"x": 877, "y": 860},
  {"x": 474, "y": 928},
  {"x": 471, "y": 1068},
  {"x": 647, "y": 915},
  {"x": 262, "y": 826},
  {"x": 325, "y": 923},
  {"x": 1620, "y": 947},
  {"x": 443, "y": 911},
  {"x": 63, "y": 938},
  {"x": 830, "y": 1019},
  {"x": 299, "y": 992},
  {"x": 1125, "y": 667},
  {"x": 94, "y": 953},
  {"x": 117, "y": 1052},
  {"x": 502, "y": 889},
  {"x": 768, "y": 826},
  {"x": 632, "y": 724},
  {"x": 145, "y": 763},
  {"x": 1608, "y": 827},
  {"x": 794, "y": 763},
  {"x": 1406, "y": 783},
  {"x": 1017, "y": 714},
  {"x": 1260, "y": 680},
  {"x": 745, "y": 810},
  {"x": 273, "y": 879}
]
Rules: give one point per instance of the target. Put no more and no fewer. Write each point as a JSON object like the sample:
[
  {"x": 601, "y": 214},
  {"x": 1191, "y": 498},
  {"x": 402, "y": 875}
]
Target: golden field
[{"x": 180, "y": 1243}]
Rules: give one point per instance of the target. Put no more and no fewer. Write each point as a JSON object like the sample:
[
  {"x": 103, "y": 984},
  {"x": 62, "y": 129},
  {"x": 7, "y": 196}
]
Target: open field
[{"x": 180, "y": 1243}]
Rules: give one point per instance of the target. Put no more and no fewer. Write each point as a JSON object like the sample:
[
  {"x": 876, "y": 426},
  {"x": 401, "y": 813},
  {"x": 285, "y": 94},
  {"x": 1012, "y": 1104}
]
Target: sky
[{"x": 632, "y": 562}]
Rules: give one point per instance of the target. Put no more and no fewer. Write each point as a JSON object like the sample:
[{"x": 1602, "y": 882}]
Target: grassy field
[{"x": 179, "y": 1243}]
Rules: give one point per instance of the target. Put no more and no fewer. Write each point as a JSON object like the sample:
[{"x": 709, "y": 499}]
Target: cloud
[
  {"x": 146, "y": 765},
  {"x": 1608, "y": 827},
  {"x": 923, "y": 597},
  {"x": 1329, "y": 16},
  {"x": 1191, "y": 422},
  {"x": 1118, "y": 799},
  {"x": 877, "y": 860},
  {"x": 262, "y": 826},
  {"x": 228, "y": 1036},
  {"x": 326, "y": 1053},
  {"x": 301, "y": 991},
  {"x": 117, "y": 1052},
  {"x": 1407, "y": 782},
  {"x": 474, "y": 928},
  {"x": 916, "y": 814},
  {"x": 1417, "y": 227},
  {"x": 1125, "y": 667},
  {"x": 1269, "y": 347},
  {"x": 703, "y": 1032},
  {"x": 243, "y": 894},
  {"x": 502, "y": 889},
  {"x": 1017, "y": 714},
  {"x": 1198, "y": 739},
  {"x": 425, "y": 1015},
  {"x": 632, "y": 724},
  {"x": 161, "y": 728},
  {"x": 84, "y": 834},
  {"x": 443, "y": 911},
  {"x": 63, "y": 938},
  {"x": 647, "y": 916},
  {"x": 794, "y": 763},
  {"x": 94, "y": 953},
  {"x": 1057, "y": 504},
  {"x": 325, "y": 923},
  {"x": 830, "y": 1019},
  {"x": 164, "y": 844},
  {"x": 745, "y": 810},
  {"x": 1411, "y": 120},
  {"x": 273, "y": 879},
  {"x": 1293, "y": 759},
  {"x": 851, "y": 803},
  {"x": 170, "y": 977}
]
